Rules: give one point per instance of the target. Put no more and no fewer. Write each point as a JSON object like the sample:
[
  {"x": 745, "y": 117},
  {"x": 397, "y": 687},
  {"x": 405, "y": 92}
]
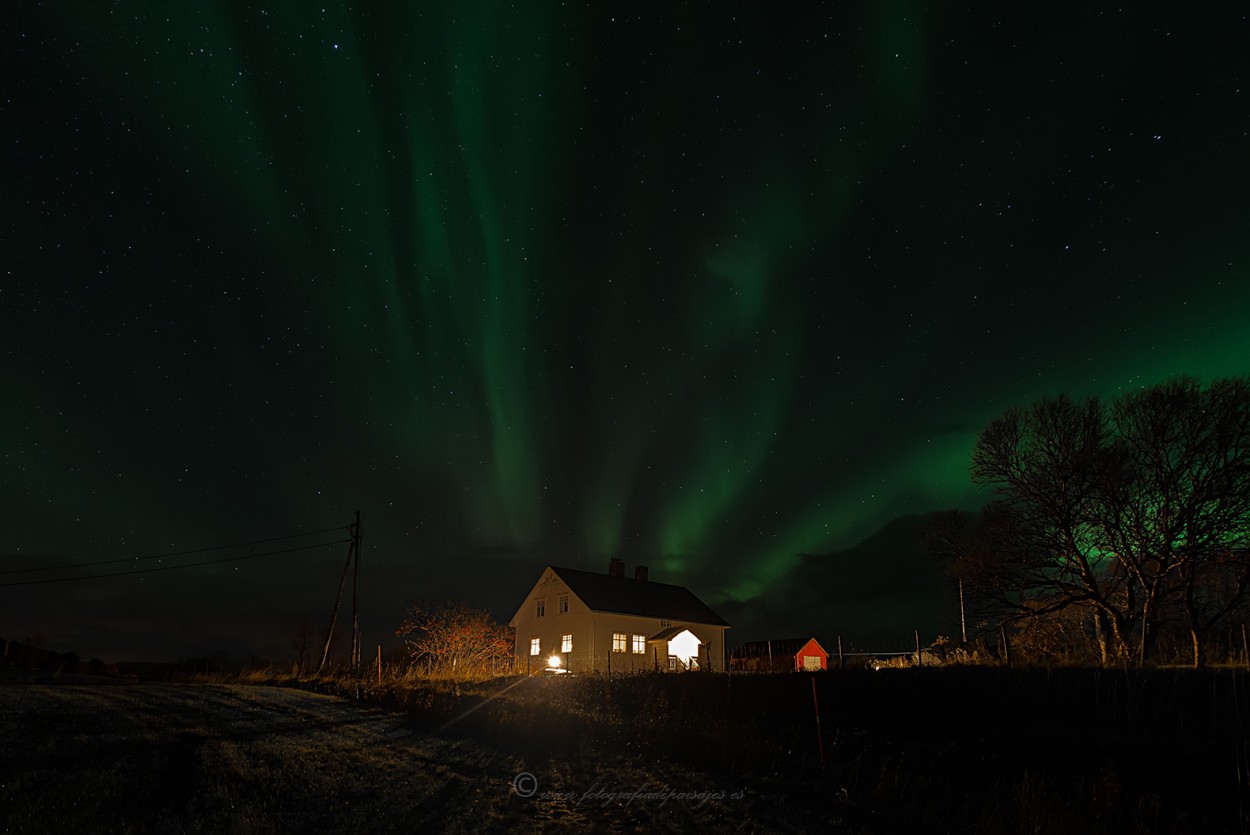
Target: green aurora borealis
[{"x": 705, "y": 287}]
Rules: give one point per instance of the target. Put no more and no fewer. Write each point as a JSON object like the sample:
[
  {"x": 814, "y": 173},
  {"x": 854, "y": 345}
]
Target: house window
[
  {"x": 640, "y": 644},
  {"x": 566, "y": 643},
  {"x": 618, "y": 641},
  {"x": 541, "y": 608},
  {"x": 536, "y": 646},
  {"x": 665, "y": 624},
  {"x": 564, "y": 603},
  {"x": 811, "y": 662}
]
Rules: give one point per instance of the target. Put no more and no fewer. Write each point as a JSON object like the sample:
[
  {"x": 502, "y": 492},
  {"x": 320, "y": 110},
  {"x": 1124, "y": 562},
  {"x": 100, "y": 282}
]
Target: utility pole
[
  {"x": 356, "y": 595},
  {"x": 353, "y": 553}
]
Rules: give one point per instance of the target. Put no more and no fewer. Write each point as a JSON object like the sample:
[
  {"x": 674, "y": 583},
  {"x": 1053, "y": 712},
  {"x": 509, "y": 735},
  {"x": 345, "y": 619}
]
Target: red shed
[{"x": 811, "y": 657}]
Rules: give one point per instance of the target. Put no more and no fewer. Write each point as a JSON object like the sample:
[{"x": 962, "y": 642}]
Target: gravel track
[{"x": 236, "y": 758}]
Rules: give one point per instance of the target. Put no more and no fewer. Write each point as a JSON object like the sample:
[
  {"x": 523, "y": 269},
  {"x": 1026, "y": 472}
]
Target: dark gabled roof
[{"x": 645, "y": 598}]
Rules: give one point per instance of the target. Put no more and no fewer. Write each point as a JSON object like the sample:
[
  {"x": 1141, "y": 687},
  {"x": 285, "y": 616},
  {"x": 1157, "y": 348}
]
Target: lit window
[
  {"x": 566, "y": 643},
  {"x": 640, "y": 644},
  {"x": 618, "y": 641},
  {"x": 564, "y": 603},
  {"x": 540, "y": 609},
  {"x": 536, "y": 646}
]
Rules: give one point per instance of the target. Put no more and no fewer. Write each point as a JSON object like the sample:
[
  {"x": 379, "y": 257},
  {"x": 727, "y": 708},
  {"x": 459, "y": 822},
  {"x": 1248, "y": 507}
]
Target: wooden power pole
[
  {"x": 353, "y": 553},
  {"x": 356, "y": 595}
]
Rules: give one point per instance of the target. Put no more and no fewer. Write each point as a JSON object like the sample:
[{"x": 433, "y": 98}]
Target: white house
[{"x": 586, "y": 622}]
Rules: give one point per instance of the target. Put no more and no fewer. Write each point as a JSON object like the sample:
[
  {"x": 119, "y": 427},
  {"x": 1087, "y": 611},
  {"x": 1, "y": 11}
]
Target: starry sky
[{"x": 727, "y": 289}]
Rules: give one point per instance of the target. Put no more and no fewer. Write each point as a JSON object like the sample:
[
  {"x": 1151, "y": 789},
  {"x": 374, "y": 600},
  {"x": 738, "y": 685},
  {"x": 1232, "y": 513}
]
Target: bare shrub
[{"x": 455, "y": 640}]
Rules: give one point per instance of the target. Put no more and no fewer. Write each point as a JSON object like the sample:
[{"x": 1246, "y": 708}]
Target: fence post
[
  {"x": 919, "y": 657},
  {"x": 820, "y": 743},
  {"x": 841, "y": 661},
  {"x": 963, "y": 617}
]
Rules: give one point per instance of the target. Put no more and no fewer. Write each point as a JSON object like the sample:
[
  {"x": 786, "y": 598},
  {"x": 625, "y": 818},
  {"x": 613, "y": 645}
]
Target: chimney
[
  {"x": 640, "y": 573},
  {"x": 616, "y": 568}
]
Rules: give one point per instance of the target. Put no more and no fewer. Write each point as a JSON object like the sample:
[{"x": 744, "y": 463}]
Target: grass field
[{"x": 971, "y": 750}]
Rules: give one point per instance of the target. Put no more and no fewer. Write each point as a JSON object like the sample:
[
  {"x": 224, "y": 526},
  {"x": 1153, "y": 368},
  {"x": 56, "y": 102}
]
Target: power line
[
  {"x": 175, "y": 567},
  {"x": 69, "y": 566}
]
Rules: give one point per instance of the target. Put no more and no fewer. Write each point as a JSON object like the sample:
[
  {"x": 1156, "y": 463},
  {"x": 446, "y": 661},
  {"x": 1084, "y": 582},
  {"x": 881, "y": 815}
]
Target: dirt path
[{"x": 230, "y": 758}]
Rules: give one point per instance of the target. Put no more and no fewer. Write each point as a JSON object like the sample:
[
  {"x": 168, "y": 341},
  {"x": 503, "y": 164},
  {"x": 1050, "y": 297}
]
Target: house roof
[
  {"x": 670, "y": 633},
  {"x": 626, "y": 596}
]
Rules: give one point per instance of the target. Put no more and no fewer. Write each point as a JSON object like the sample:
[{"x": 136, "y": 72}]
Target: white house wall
[
  {"x": 606, "y": 624},
  {"x": 553, "y": 625},
  {"x": 592, "y": 633}
]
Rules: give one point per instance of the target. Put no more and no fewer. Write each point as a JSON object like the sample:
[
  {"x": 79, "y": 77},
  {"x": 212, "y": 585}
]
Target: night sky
[{"x": 727, "y": 289}]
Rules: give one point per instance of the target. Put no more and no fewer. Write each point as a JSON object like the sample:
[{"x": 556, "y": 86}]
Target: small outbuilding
[{"x": 779, "y": 656}]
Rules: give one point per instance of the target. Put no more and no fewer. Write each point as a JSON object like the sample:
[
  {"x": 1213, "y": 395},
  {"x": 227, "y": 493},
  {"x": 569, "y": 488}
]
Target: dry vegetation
[{"x": 956, "y": 749}]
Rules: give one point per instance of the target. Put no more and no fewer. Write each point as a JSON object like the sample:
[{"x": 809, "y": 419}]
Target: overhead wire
[
  {"x": 74, "y": 566},
  {"x": 174, "y": 567}
]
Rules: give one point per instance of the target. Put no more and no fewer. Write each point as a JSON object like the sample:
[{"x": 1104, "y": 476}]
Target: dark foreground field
[{"x": 974, "y": 750}]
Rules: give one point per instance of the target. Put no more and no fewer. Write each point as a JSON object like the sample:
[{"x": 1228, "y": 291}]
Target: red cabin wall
[{"x": 811, "y": 650}]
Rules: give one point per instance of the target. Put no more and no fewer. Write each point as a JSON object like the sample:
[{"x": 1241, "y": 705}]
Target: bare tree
[
  {"x": 1189, "y": 503},
  {"x": 456, "y": 639},
  {"x": 1137, "y": 511},
  {"x": 1041, "y": 542},
  {"x": 990, "y": 589}
]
